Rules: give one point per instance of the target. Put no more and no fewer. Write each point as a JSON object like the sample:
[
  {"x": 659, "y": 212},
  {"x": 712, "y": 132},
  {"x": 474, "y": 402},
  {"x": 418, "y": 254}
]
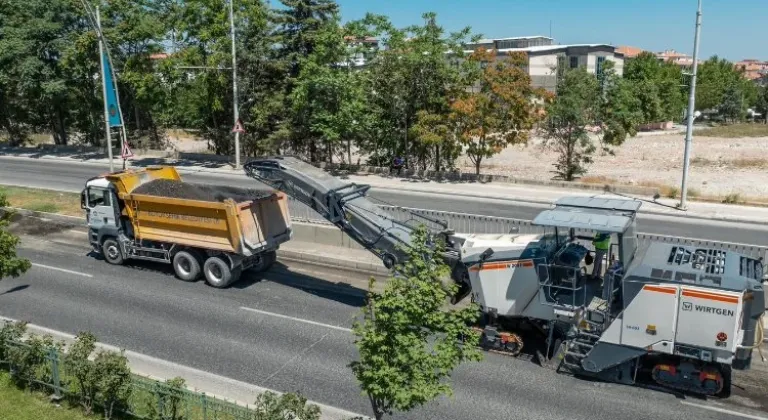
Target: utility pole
[
  {"x": 691, "y": 116},
  {"x": 104, "y": 92},
  {"x": 234, "y": 84}
]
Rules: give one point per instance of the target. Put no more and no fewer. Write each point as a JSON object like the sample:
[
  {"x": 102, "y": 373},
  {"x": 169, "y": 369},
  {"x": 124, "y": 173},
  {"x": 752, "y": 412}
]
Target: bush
[
  {"x": 82, "y": 370},
  {"x": 287, "y": 406},
  {"x": 31, "y": 361}
]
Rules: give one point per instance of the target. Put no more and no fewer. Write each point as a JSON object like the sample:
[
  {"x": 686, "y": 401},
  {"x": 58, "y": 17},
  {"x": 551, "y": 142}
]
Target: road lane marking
[
  {"x": 306, "y": 321},
  {"x": 77, "y": 273},
  {"x": 724, "y": 411}
]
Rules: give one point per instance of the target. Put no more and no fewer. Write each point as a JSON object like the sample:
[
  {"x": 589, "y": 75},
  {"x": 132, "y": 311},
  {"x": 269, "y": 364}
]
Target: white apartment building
[{"x": 546, "y": 59}]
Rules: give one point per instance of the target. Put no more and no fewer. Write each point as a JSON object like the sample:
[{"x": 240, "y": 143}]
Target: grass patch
[
  {"x": 734, "y": 131},
  {"x": 25, "y": 405},
  {"x": 598, "y": 179},
  {"x": 43, "y": 200}
]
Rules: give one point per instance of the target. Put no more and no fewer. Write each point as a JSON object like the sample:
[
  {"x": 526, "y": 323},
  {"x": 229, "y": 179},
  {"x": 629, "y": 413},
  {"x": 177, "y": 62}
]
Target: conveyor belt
[{"x": 342, "y": 203}]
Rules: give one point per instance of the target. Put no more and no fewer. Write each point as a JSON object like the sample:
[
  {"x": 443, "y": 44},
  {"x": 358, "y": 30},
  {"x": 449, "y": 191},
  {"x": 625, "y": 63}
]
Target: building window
[
  {"x": 574, "y": 62},
  {"x": 600, "y": 65}
]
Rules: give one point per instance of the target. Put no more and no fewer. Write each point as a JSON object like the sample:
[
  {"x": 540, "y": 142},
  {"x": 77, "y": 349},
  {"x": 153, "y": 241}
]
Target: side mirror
[{"x": 82, "y": 200}]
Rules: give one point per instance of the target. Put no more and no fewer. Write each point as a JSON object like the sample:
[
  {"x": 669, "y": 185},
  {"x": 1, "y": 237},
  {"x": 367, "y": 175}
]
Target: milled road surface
[
  {"x": 147, "y": 310},
  {"x": 71, "y": 176}
]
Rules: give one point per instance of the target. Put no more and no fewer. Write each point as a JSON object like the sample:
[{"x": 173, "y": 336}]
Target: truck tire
[
  {"x": 110, "y": 250},
  {"x": 218, "y": 274},
  {"x": 186, "y": 266},
  {"x": 267, "y": 260}
]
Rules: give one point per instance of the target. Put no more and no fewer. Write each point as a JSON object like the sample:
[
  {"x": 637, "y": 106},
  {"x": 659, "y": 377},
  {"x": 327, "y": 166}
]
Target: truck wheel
[
  {"x": 186, "y": 266},
  {"x": 110, "y": 249},
  {"x": 217, "y": 272},
  {"x": 267, "y": 260}
]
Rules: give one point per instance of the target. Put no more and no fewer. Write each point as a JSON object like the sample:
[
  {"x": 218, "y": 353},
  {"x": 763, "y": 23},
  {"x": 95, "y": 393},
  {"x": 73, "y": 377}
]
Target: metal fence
[
  {"x": 475, "y": 223},
  {"x": 42, "y": 368}
]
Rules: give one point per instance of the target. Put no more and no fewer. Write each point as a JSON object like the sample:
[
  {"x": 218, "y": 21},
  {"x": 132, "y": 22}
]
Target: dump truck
[{"x": 215, "y": 231}]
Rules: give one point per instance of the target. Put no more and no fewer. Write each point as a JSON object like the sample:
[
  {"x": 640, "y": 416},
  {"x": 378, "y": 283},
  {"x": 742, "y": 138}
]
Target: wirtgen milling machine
[{"x": 686, "y": 315}]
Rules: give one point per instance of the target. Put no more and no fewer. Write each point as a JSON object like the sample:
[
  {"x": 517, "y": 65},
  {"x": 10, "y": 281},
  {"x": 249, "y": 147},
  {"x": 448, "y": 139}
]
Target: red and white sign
[
  {"x": 126, "y": 152},
  {"x": 238, "y": 127}
]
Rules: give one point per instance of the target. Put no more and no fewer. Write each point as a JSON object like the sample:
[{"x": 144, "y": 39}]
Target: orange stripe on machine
[
  {"x": 502, "y": 265},
  {"x": 658, "y": 289},
  {"x": 710, "y": 296}
]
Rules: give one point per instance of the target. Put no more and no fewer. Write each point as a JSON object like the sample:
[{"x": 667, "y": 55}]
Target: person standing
[{"x": 602, "y": 244}]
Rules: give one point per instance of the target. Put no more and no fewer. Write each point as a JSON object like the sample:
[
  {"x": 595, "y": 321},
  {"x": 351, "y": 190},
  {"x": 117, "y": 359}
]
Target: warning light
[{"x": 722, "y": 336}]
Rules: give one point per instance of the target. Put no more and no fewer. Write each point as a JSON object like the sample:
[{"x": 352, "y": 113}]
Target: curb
[{"x": 226, "y": 389}]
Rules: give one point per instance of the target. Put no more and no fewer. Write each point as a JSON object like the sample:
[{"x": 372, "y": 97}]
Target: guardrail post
[
  {"x": 203, "y": 404},
  {"x": 55, "y": 374}
]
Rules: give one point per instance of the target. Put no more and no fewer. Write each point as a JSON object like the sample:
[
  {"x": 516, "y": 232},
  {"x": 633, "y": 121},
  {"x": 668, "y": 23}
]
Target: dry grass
[
  {"x": 43, "y": 200},
  {"x": 739, "y": 163},
  {"x": 598, "y": 179},
  {"x": 734, "y": 131}
]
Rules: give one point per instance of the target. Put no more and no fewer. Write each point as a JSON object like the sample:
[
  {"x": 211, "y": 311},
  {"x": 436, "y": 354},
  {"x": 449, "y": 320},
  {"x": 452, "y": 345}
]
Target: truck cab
[{"x": 102, "y": 209}]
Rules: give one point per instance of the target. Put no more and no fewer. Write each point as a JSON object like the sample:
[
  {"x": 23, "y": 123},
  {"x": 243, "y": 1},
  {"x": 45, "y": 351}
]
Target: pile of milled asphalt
[{"x": 200, "y": 192}]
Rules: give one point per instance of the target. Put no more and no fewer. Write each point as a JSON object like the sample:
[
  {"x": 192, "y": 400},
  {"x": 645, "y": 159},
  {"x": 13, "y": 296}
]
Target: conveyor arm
[{"x": 342, "y": 203}]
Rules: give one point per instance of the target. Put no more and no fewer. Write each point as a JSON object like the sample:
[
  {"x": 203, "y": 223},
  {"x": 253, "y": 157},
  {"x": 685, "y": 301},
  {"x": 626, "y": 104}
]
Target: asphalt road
[
  {"x": 68, "y": 176},
  {"x": 148, "y": 311}
]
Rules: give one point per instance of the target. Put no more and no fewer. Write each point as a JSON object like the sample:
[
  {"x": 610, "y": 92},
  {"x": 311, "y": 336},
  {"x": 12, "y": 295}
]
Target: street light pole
[
  {"x": 691, "y": 115},
  {"x": 104, "y": 92},
  {"x": 234, "y": 84}
]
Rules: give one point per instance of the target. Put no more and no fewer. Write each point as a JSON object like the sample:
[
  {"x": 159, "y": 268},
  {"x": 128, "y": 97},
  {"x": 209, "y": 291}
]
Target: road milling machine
[{"x": 681, "y": 316}]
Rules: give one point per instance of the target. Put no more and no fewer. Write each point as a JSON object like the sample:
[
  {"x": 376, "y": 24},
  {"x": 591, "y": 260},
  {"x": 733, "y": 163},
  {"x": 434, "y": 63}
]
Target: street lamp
[{"x": 691, "y": 113}]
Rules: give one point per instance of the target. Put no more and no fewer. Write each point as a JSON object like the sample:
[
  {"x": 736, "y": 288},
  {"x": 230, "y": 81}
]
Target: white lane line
[
  {"x": 724, "y": 411},
  {"x": 77, "y": 273},
  {"x": 306, "y": 321}
]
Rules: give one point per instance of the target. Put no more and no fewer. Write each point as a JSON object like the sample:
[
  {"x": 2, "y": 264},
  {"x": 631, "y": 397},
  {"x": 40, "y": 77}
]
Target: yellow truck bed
[{"x": 228, "y": 222}]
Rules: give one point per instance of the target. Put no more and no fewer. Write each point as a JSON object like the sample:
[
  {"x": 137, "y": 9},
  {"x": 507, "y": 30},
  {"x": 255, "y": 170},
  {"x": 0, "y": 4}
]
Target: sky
[{"x": 732, "y": 29}]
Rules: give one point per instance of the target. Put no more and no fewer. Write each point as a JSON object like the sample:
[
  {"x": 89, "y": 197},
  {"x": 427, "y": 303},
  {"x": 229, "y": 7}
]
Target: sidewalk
[{"x": 536, "y": 194}]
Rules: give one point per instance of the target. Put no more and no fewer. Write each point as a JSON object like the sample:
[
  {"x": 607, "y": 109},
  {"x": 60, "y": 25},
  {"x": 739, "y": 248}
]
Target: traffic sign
[
  {"x": 238, "y": 127},
  {"x": 126, "y": 151}
]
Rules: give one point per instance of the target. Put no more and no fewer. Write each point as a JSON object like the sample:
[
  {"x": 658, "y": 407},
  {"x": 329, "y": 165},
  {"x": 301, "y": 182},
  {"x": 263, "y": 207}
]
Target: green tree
[
  {"x": 501, "y": 109},
  {"x": 113, "y": 383},
  {"x": 733, "y": 106},
  {"x": 620, "y": 108},
  {"x": 270, "y": 406},
  {"x": 408, "y": 344},
  {"x": 762, "y": 102},
  {"x": 659, "y": 87},
  {"x": 576, "y": 106},
  {"x": 11, "y": 265}
]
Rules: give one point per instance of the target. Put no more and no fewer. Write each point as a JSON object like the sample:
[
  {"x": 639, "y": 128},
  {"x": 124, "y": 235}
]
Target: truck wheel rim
[
  {"x": 184, "y": 266},
  {"x": 215, "y": 272},
  {"x": 112, "y": 252}
]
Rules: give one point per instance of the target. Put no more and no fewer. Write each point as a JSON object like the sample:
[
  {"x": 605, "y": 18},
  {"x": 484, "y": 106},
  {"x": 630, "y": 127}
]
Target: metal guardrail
[{"x": 475, "y": 223}]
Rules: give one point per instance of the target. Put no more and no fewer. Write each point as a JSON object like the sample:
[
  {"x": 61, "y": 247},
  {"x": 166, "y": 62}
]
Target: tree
[
  {"x": 658, "y": 86},
  {"x": 10, "y": 263},
  {"x": 408, "y": 344},
  {"x": 762, "y": 102},
  {"x": 501, "y": 109},
  {"x": 576, "y": 106},
  {"x": 114, "y": 381},
  {"x": 733, "y": 106},
  {"x": 620, "y": 108}
]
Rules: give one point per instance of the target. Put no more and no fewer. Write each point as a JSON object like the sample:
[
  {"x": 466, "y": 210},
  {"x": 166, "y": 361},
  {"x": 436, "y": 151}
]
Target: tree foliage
[
  {"x": 11, "y": 265},
  {"x": 574, "y": 109},
  {"x": 408, "y": 344},
  {"x": 500, "y": 110},
  {"x": 658, "y": 86}
]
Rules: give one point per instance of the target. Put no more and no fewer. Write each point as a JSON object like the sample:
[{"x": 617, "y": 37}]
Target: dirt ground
[{"x": 719, "y": 166}]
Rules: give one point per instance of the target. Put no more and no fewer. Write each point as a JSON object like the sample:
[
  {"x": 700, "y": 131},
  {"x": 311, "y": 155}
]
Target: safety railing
[
  {"x": 475, "y": 223},
  {"x": 43, "y": 368}
]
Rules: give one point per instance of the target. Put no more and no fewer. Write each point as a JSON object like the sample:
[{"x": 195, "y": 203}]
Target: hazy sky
[{"x": 734, "y": 29}]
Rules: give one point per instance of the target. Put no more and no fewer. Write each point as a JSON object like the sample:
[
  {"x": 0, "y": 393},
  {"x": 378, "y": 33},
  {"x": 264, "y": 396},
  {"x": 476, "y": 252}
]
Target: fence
[
  {"x": 474, "y": 223},
  {"x": 43, "y": 368}
]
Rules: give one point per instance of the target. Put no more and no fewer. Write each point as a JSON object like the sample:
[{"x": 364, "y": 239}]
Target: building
[
  {"x": 546, "y": 59},
  {"x": 360, "y": 49},
  {"x": 629, "y": 52},
  {"x": 753, "y": 69},
  {"x": 672, "y": 56}
]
